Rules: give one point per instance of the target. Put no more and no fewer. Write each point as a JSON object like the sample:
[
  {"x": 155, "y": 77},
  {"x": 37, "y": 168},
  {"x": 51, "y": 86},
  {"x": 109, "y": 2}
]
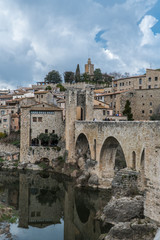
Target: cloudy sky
[{"x": 37, "y": 36}]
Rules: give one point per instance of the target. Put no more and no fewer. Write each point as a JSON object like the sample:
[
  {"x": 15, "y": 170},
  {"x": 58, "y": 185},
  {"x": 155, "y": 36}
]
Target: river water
[{"x": 50, "y": 207}]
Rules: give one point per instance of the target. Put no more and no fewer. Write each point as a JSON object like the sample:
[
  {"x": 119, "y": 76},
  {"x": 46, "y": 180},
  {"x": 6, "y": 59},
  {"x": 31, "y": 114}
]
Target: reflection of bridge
[{"x": 138, "y": 143}]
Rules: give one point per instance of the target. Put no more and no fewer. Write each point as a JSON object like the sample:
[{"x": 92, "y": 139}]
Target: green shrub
[{"x": 2, "y": 135}]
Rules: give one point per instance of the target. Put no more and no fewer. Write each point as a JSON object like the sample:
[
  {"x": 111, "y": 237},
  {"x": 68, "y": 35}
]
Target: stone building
[
  {"x": 89, "y": 67},
  {"x": 36, "y": 119},
  {"x": 144, "y": 102},
  {"x": 44, "y": 96},
  {"x": 101, "y": 110},
  {"x": 151, "y": 79}
]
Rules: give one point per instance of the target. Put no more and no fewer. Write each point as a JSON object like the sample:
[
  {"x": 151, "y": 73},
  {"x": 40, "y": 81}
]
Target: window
[
  {"x": 104, "y": 112},
  {"x": 129, "y": 83},
  {"x": 37, "y": 96},
  {"x": 131, "y": 94},
  {"x": 143, "y": 104},
  {"x": 114, "y": 96},
  {"x": 149, "y": 79},
  {"x": 53, "y": 131},
  {"x": 156, "y": 78},
  {"x": 150, "y": 111},
  {"x": 34, "y": 119},
  {"x": 4, "y": 120},
  {"x": 12, "y": 111},
  {"x": 155, "y": 86},
  {"x": 142, "y": 95},
  {"x": 149, "y": 86},
  {"x": 38, "y": 214},
  {"x": 2, "y": 112},
  {"x": 39, "y": 119},
  {"x": 140, "y": 87},
  {"x": 32, "y": 214},
  {"x": 111, "y": 96},
  {"x": 107, "y": 112},
  {"x": 41, "y": 96},
  {"x": 150, "y": 95},
  {"x": 150, "y": 103},
  {"x": 46, "y": 130},
  {"x": 142, "y": 111},
  {"x": 120, "y": 84},
  {"x": 140, "y": 81}
]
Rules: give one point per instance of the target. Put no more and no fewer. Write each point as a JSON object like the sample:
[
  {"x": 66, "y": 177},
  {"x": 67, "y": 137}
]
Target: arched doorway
[
  {"x": 82, "y": 148},
  {"x": 133, "y": 160},
  {"x": 112, "y": 158}
]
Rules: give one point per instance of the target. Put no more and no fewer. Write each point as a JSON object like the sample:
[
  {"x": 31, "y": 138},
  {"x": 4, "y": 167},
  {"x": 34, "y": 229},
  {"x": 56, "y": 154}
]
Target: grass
[{"x": 1, "y": 160}]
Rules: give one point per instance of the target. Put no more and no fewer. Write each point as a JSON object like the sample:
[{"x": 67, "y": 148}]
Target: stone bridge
[{"x": 139, "y": 144}]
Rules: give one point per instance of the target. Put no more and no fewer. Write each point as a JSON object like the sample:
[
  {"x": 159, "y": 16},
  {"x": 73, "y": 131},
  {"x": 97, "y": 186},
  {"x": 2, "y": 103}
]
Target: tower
[{"x": 89, "y": 68}]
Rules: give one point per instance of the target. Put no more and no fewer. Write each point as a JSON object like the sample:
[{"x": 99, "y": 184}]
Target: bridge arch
[
  {"x": 112, "y": 157},
  {"x": 82, "y": 147}
]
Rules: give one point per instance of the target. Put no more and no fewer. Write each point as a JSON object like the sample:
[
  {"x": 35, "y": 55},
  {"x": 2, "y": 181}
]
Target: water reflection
[{"x": 50, "y": 206}]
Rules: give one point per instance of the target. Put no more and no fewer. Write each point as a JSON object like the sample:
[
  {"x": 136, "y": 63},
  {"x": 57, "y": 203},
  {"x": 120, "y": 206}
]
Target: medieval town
[{"x": 102, "y": 135}]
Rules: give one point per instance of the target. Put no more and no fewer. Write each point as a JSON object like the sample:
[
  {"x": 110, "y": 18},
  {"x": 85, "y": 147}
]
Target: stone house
[
  {"x": 151, "y": 79},
  {"x": 15, "y": 122},
  {"x": 144, "y": 102},
  {"x": 44, "y": 96},
  {"x": 101, "y": 110},
  {"x": 35, "y": 120}
]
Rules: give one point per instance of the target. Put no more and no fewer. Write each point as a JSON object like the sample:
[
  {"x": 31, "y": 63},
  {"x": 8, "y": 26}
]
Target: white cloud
[
  {"x": 38, "y": 36},
  {"x": 145, "y": 26}
]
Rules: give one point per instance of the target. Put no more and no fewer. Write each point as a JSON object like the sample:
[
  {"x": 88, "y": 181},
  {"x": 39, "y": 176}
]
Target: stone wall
[
  {"x": 9, "y": 152},
  {"x": 38, "y": 153}
]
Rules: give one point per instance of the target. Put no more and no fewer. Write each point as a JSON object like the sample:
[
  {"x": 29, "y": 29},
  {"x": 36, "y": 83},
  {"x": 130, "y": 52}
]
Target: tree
[
  {"x": 48, "y": 88},
  {"x": 97, "y": 75},
  {"x": 61, "y": 87},
  {"x": 77, "y": 74},
  {"x": 127, "y": 111},
  {"x": 85, "y": 77},
  {"x": 116, "y": 75},
  {"x": 69, "y": 77},
  {"x": 53, "y": 77}
]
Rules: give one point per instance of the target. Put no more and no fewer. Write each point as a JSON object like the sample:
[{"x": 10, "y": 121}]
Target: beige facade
[{"x": 147, "y": 81}]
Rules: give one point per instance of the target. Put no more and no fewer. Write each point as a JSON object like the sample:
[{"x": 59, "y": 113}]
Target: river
[{"x": 49, "y": 206}]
